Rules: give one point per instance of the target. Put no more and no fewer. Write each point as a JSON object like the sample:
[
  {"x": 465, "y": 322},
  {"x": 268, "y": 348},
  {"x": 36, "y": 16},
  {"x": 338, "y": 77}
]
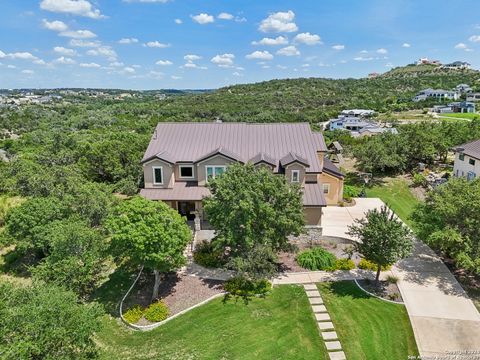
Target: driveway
[{"x": 443, "y": 318}]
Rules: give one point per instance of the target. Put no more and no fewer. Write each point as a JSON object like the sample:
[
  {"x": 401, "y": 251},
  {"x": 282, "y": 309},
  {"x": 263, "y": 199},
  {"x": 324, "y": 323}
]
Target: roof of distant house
[
  {"x": 244, "y": 142},
  {"x": 471, "y": 149}
]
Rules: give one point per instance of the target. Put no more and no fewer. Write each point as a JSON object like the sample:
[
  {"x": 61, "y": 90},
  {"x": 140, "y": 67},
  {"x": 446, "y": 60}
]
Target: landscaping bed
[{"x": 384, "y": 289}]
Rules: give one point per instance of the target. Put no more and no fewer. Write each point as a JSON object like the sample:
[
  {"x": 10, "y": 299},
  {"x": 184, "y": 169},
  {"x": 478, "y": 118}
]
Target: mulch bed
[
  {"x": 384, "y": 289},
  {"x": 178, "y": 291}
]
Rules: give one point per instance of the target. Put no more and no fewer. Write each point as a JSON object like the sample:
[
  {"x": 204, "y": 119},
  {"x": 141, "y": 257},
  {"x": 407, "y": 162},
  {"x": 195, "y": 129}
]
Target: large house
[
  {"x": 473, "y": 96},
  {"x": 437, "y": 94},
  {"x": 467, "y": 160},
  {"x": 455, "y": 107},
  {"x": 358, "y": 127},
  {"x": 181, "y": 157},
  {"x": 457, "y": 65}
]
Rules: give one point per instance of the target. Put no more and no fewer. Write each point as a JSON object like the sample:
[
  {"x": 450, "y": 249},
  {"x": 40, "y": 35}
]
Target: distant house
[
  {"x": 373, "y": 129},
  {"x": 473, "y": 97},
  {"x": 427, "y": 61},
  {"x": 457, "y": 65},
  {"x": 335, "y": 152},
  {"x": 358, "y": 126},
  {"x": 358, "y": 112},
  {"x": 438, "y": 94},
  {"x": 373, "y": 75},
  {"x": 462, "y": 107},
  {"x": 467, "y": 160},
  {"x": 463, "y": 88}
]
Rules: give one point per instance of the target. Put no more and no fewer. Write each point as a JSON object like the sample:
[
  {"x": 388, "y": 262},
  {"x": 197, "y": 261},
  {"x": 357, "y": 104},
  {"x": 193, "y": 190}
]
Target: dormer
[
  {"x": 158, "y": 170},
  {"x": 294, "y": 167},
  {"x": 263, "y": 159}
]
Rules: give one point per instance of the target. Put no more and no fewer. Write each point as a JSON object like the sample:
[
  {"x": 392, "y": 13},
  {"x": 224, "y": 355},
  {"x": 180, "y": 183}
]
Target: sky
[{"x": 206, "y": 44}]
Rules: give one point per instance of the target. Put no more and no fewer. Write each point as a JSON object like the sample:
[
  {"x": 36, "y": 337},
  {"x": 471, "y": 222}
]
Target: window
[
  {"x": 214, "y": 171},
  {"x": 461, "y": 156},
  {"x": 295, "y": 176},
  {"x": 157, "y": 175},
  {"x": 186, "y": 171},
  {"x": 326, "y": 188},
  {"x": 471, "y": 161}
]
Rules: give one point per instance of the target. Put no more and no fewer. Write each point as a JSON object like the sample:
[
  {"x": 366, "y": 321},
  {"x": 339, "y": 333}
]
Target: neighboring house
[
  {"x": 373, "y": 129},
  {"x": 463, "y": 88},
  {"x": 438, "y": 94},
  {"x": 358, "y": 112},
  {"x": 467, "y": 160},
  {"x": 181, "y": 157},
  {"x": 455, "y": 107},
  {"x": 473, "y": 97},
  {"x": 427, "y": 61},
  {"x": 457, "y": 65},
  {"x": 358, "y": 126}
]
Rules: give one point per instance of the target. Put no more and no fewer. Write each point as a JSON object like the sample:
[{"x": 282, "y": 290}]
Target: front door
[{"x": 187, "y": 208}]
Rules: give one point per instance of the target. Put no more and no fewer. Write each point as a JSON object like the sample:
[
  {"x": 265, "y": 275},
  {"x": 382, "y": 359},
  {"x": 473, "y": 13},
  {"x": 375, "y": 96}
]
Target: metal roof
[
  {"x": 181, "y": 191},
  {"x": 471, "y": 149},
  {"x": 313, "y": 195}
]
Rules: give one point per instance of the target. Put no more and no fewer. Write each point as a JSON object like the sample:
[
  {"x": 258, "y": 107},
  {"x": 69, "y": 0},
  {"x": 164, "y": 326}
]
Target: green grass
[
  {"x": 397, "y": 195},
  {"x": 368, "y": 328},
  {"x": 280, "y": 326},
  {"x": 470, "y": 116}
]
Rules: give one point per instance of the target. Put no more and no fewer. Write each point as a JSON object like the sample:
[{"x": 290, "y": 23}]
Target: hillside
[{"x": 316, "y": 99}]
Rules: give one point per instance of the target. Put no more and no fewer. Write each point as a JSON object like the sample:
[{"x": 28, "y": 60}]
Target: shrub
[
  {"x": 133, "y": 314},
  {"x": 392, "y": 279},
  {"x": 206, "y": 255},
  {"x": 240, "y": 286},
  {"x": 156, "y": 312},
  {"x": 365, "y": 264},
  {"x": 350, "y": 191},
  {"x": 344, "y": 264},
  {"x": 316, "y": 259},
  {"x": 419, "y": 180}
]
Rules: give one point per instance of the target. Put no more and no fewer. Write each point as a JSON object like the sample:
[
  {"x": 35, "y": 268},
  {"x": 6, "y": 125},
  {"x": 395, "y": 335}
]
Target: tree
[
  {"x": 383, "y": 238},
  {"x": 449, "y": 220},
  {"x": 252, "y": 209},
  {"x": 149, "y": 233},
  {"x": 46, "y": 322}
]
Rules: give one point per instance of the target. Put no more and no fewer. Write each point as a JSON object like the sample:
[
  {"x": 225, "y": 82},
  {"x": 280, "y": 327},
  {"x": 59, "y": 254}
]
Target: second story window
[
  {"x": 471, "y": 161},
  {"x": 295, "y": 176},
  {"x": 214, "y": 171},
  {"x": 157, "y": 175},
  {"x": 186, "y": 171},
  {"x": 461, "y": 157},
  {"x": 326, "y": 188}
]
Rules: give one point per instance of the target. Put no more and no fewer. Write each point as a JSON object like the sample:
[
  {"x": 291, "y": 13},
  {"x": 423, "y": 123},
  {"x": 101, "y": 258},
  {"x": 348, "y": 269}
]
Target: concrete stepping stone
[
  {"x": 337, "y": 355},
  {"x": 313, "y": 293},
  {"x": 329, "y": 335},
  {"x": 316, "y": 301},
  {"x": 322, "y": 317},
  {"x": 325, "y": 325},
  {"x": 310, "y": 287},
  {"x": 319, "y": 308},
  {"x": 333, "y": 345}
]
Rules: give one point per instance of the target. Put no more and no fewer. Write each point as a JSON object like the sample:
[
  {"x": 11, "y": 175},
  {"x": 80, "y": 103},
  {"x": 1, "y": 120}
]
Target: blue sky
[{"x": 153, "y": 44}]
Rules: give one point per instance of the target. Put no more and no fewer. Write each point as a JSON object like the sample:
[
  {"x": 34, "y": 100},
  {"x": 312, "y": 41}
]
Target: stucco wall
[
  {"x": 464, "y": 166},
  {"x": 313, "y": 215},
  {"x": 295, "y": 166},
  {"x": 177, "y": 172},
  {"x": 168, "y": 179},
  {"x": 336, "y": 188},
  {"x": 201, "y": 167}
]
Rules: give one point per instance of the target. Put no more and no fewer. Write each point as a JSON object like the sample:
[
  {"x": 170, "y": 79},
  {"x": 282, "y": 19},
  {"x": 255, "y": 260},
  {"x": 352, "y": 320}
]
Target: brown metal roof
[
  {"x": 187, "y": 142},
  {"x": 330, "y": 168},
  {"x": 313, "y": 195},
  {"x": 262, "y": 157},
  {"x": 471, "y": 149},
  {"x": 181, "y": 191},
  {"x": 293, "y": 157}
]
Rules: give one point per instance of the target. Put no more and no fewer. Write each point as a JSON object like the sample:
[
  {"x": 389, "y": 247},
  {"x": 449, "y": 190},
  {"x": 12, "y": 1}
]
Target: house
[
  {"x": 437, "y": 94},
  {"x": 181, "y": 157},
  {"x": 427, "y": 61},
  {"x": 358, "y": 112},
  {"x": 457, "y": 65},
  {"x": 462, "y": 107},
  {"x": 358, "y": 127},
  {"x": 373, "y": 129},
  {"x": 463, "y": 88},
  {"x": 467, "y": 160},
  {"x": 473, "y": 97}
]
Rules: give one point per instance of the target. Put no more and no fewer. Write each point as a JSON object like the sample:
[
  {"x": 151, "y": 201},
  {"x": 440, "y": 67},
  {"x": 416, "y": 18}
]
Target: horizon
[{"x": 183, "y": 45}]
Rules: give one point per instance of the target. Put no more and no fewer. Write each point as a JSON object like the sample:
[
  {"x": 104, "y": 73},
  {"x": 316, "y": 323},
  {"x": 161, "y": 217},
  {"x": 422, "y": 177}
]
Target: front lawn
[
  {"x": 280, "y": 326},
  {"x": 469, "y": 116},
  {"x": 397, "y": 195},
  {"x": 368, "y": 328}
]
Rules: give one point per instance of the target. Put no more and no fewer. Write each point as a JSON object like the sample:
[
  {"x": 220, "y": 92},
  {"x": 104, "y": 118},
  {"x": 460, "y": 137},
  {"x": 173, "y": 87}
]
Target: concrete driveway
[{"x": 443, "y": 318}]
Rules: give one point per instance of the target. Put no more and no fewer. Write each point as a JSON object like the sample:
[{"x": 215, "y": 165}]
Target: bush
[
  {"x": 316, "y": 259},
  {"x": 133, "y": 315},
  {"x": 344, "y": 264},
  {"x": 392, "y": 279},
  {"x": 240, "y": 286},
  {"x": 419, "y": 180},
  {"x": 365, "y": 264},
  {"x": 156, "y": 312},
  {"x": 350, "y": 191},
  {"x": 206, "y": 255}
]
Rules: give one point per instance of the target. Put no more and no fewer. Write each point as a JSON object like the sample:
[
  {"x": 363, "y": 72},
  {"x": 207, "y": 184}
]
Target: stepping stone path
[{"x": 324, "y": 322}]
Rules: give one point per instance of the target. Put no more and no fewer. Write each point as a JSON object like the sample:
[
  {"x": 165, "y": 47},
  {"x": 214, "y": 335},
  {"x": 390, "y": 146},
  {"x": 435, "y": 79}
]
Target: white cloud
[
  {"x": 406, "y": 45},
  {"x": 39, "y": 62},
  {"x": 64, "y": 51},
  {"x": 288, "y": 51},
  {"x": 129, "y": 70},
  {"x": 156, "y": 44},
  {"x": 22, "y": 56},
  {"x": 156, "y": 74},
  {"x": 461, "y": 46},
  {"x": 28, "y": 72},
  {"x": 2, "y": 54},
  {"x": 262, "y": 55},
  {"x": 279, "y": 40},
  {"x": 55, "y": 25},
  {"x": 191, "y": 57},
  {"x": 164, "y": 62},
  {"x": 83, "y": 43},
  {"x": 307, "y": 39},
  {"x": 105, "y": 51},
  {"x": 11, "y": 66},
  {"x": 191, "y": 65},
  {"x": 64, "y": 61},
  {"x": 474, "y": 38},
  {"x": 78, "y": 34},
  {"x": 364, "y": 52},
  {"x": 202, "y": 18},
  {"x": 147, "y": 1},
  {"x": 73, "y": 7},
  {"x": 338, "y": 47},
  {"x": 283, "y": 67},
  {"x": 174, "y": 77},
  {"x": 382, "y": 51},
  {"x": 225, "y": 16},
  {"x": 225, "y": 60},
  {"x": 240, "y": 19},
  {"x": 279, "y": 22},
  {"x": 236, "y": 73},
  {"x": 178, "y": 21},
  {"x": 361, "y": 58},
  {"x": 128, "y": 41},
  {"x": 90, "y": 65},
  {"x": 116, "y": 64}
]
